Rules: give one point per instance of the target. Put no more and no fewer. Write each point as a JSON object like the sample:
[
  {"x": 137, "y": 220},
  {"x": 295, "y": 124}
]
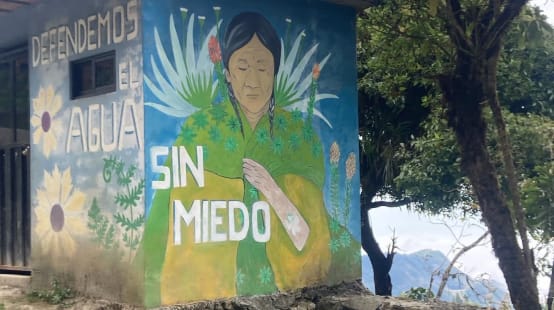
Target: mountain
[{"x": 415, "y": 270}]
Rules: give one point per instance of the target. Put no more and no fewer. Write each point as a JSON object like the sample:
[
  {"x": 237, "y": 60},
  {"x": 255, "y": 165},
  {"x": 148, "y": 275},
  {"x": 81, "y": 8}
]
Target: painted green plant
[
  {"x": 102, "y": 228},
  {"x": 334, "y": 158},
  {"x": 128, "y": 218},
  {"x": 186, "y": 82},
  {"x": 348, "y": 191},
  {"x": 340, "y": 217},
  {"x": 125, "y": 224}
]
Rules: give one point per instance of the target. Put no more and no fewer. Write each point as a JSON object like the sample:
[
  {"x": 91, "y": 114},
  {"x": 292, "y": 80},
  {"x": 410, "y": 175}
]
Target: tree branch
[
  {"x": 511, "y": 10},
  {"x": 388, "y": 204},
  {"x": 446, "y": 273},
  {"x": 456, "y": 27}
]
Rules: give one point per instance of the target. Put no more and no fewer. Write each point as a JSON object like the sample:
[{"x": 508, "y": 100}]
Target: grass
[
  {"x": 2, "y": 307},
  {"x": 56, "y": 295}
]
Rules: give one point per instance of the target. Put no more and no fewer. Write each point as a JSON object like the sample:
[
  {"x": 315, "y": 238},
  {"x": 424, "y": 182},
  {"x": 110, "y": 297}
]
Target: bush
[
  {"x": 418, "y": 293},
  {"x": 55, "y": 295}
]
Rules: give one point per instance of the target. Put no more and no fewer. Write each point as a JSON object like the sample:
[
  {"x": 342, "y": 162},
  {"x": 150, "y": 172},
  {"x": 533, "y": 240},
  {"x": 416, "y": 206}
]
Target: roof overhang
[
  {"x": 6, "y": 6},
  {"x": 358, "y": 4},
  {"x": 12, "y": 12}
]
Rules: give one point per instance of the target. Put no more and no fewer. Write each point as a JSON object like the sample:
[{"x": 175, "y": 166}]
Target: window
[
  {"x": 93, "y": 75},
  {"x": 14, "y": 98}
]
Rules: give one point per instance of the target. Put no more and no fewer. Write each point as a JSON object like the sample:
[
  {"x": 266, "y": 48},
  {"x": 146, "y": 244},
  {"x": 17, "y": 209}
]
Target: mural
[
  {"x": 246, "y": 118},
  {"x": 87, "y": 179},
  {"x": 57, "y": 213}
]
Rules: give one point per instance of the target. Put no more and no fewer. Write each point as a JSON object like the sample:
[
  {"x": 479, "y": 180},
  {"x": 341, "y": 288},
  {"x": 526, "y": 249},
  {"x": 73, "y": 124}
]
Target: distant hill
[{"x": 415, "y": 269}]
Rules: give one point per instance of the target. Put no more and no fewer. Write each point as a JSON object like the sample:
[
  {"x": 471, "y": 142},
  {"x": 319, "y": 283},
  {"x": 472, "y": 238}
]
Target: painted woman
[{"x": 253, "y": 152}]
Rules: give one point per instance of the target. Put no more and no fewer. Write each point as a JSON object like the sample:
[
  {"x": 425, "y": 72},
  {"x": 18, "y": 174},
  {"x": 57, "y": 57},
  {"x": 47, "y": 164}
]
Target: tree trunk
[
  {"x": 381, "y": 264},
  {"x": 371, "y": 181},
  {"x": 507, "y": 158},
  {"x": 551, "y": 290},
  {"x": 463, "y": 93}
]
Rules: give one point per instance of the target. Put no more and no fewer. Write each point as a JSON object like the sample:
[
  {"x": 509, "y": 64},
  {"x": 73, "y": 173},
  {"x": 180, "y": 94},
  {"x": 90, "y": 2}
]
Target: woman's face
[{"x": 251, "y": 74}]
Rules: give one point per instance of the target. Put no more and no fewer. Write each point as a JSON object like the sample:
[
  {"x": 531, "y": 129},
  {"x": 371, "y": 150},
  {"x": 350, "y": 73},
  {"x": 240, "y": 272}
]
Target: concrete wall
[
  {"x": 238, "y": 205},
  {"x": 87, "y": 179},
  {"x": 233, "y": 176}
]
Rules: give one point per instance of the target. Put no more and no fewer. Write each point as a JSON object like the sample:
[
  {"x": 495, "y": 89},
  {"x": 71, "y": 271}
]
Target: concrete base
[{"x": 17, "y": 281}]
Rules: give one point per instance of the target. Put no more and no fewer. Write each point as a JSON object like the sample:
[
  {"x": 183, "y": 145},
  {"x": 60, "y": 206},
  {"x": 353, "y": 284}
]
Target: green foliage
[
  {"x": 538, "y": 198},
  {"x": 418, "y": 293},
  {"x": 132, "y": 197},
  {"x": 431, "y": 175},
  {"x": 401, "y": 45},
  {"x": 526, "y": 68},
  {"x": 197, "y": 89},
  {"x": 55, "y": 295},
  {"x": 101, "y": 227},
  {"x": 126, "y": 225},
  {"x": 128, "y": 221},
  {"x": 2, "y": 307}
]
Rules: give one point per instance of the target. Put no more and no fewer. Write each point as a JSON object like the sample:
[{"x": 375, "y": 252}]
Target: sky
[
  {"x": 547, "y": 8},
  {"x": 416, "y": 232}
]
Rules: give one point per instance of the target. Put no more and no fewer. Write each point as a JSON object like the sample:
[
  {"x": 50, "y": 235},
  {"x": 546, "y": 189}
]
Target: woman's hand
[{"x": 288, "y": 214}]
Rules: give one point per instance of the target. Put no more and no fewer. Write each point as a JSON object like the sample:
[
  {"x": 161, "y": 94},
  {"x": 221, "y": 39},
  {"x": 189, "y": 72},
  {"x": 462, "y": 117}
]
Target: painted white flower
[
  {"x": 293, "y": 224},
  {"x": 44, "y": 121},
  {"x": 59, "y": 214}
]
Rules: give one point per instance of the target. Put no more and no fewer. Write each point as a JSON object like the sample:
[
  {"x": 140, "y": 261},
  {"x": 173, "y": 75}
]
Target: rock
[{"x": 345, "y": 296}]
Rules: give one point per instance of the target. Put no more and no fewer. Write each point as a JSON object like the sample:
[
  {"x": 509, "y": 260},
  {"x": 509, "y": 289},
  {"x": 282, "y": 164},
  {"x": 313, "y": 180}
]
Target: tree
[
  {"x": 468, "y": 36},
  {"x": 383, "y": 128}
]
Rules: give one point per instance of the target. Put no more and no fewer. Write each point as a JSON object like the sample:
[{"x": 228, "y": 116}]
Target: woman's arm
[{"x": 295, "y": 225}]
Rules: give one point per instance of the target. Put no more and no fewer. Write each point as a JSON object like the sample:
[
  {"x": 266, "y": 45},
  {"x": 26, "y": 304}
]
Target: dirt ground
[
  {"x": 17, "y": 299},
  {"x": 352, "y": 296}
]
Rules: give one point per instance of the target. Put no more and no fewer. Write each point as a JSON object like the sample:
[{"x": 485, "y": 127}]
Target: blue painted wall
[{"x": 177, "y": 36}]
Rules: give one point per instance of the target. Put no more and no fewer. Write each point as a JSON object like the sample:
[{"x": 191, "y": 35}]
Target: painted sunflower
[
  {"x": 58, "y": 214},
  {"x": 43, "y": 120}
]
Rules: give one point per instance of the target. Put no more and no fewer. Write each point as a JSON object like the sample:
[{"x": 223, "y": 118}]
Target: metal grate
[{"x": 15, "y": 217}]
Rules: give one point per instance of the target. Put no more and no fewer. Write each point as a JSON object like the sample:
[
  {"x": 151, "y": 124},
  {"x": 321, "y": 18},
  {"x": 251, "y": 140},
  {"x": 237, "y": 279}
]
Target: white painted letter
[
  {"x": 205, "y": 221},
  {"x": 235, "y": 235},
  {"x": 91, "y": 40},
  {"x": 104, "y": 22},
  {"x": 197, "y": 171},
  {"x": 81, "y": 35},
  {"x": 261, "y": 206},
  {"x": 44, "y": 48},
  {"x": 124, "y": 129},
  {"x": 123, "y": 76},
  {"x": 118, "y": 22},
  {"x": 71, "y": 39},
  {"x": 36, "y": 50},
  {"x": 105, "y": 146},
  {"x": 216, "y": 221},
  {"x": 179, "y": 212},
  {"x": 93, "y": 132},
  {"x": 175, "y": 166},
  {"x": 132, "y": 15},
  {"x": 53, "y": 38},
  {"x": 74, "y": 133},
  {"x": 156, "y": 151},
  {"x": 62, "y": 46}
]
